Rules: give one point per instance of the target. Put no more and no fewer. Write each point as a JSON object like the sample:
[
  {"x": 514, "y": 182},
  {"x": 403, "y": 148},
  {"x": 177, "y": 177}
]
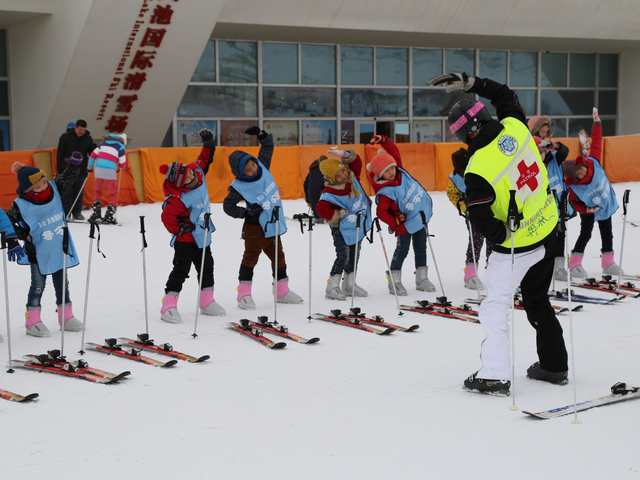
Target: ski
[
  {"x": 607, "y": 280},
  {"x": 441, "y": 302},
  {"x": 519, "y": 306},
  {"x": 14, "y": 397},
  {"x": 631, "y": 277},
  {"x": 355, "y": 312},
  {"x": 352, "y": 322},
  {"x": 53, "y": 357},
  {"x": 592, "y": 284},
  {"x": 620, "y": 392},
  {"x": 445, "y": 312},
  {"x": 276, "y": 328},
  {"x": 562, "y": 295},
  {"x": 111, "y": 347},
  {"x": 142, "y": 341},
  {"x": 245, "y": 328},
  {"x": 68, "y": 369}
]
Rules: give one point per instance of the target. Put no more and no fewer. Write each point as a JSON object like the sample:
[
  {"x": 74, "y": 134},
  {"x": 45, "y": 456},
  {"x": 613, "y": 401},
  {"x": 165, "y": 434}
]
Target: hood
[{"x": 237, "y": 160}]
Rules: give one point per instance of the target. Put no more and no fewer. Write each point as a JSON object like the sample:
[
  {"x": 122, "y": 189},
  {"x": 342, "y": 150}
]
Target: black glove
[
  {"x": 252, "y": 210},
  {"x": 186, "y": 227},
  {"x": 253, "y": 131},
  {"x": 455, "y": 81},
  {"x": 207, "y": 138}
]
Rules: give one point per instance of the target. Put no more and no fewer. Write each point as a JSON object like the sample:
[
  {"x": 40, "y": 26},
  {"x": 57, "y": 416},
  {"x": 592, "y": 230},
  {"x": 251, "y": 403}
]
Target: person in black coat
[{"x": 313, "y": 186}]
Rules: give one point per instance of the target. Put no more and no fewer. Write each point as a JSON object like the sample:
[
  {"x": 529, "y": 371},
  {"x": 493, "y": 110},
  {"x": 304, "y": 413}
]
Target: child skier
[
  {"x": 340, "y": 203},
  {"x": 255, "y": 185},
  {"x": 38, "y": 217},
  {"x": 594, "y": 199},
  {"x": 109, "y": 155},
  {"x": 187, "y": 200},
  {"x": 401, "y": 199}
]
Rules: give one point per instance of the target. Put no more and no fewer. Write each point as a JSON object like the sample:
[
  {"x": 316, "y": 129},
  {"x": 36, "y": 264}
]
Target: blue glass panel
[
  {"x": 582, "y": 70},
  {"x": 318, "y": 64},
  {"x": 426, "y": 64},
  {"x": 391, "y": 66},
  {"x": 567, "y": 102},
  {"x": 523, "y": 69},
  {"x": 206, "y": 69},
  {"x": 356, "y": 65},
  {"x": 214, "y": 101},
  {"x": 493, "y": 65},
  {"x": 238, "y": 62},
  {"x": 374, "y": 102},
  {"x": 553, "y": 70},
  {"x": 279, "y": 63},
  {"x": 299, "y": 102}
]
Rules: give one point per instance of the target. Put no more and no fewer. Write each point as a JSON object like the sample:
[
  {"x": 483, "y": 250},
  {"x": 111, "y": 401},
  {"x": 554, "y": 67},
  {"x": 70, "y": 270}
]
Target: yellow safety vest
[{"x": 512, "y": 162}]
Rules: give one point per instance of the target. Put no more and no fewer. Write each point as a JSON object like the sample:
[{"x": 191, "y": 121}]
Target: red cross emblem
[{"x": 528, "y": 175}]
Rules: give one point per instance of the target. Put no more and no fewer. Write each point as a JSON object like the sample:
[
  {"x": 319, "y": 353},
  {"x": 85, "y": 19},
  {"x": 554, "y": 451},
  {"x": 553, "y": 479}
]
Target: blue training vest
[
  {"x": 348, "y": 223},
  {"x": 45, "y": 224},
  {"x": 264, "y": 192},
  {"x": 598, "y": 193},
  {"x": 458, "y": 181},
  {"x": 412, "y": 199},
  {"x": 555, "y": 175}
]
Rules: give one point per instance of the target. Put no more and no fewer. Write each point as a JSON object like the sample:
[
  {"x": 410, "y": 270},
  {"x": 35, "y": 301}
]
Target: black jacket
[{"x": 68, "y": 143}]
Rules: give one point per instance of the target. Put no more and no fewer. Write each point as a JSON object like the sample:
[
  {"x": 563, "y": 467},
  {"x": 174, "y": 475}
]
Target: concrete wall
[{"x": 629, "y": 93}]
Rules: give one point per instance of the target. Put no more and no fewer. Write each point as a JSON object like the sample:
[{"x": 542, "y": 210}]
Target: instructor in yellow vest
[{"x": 504, "y": 158}]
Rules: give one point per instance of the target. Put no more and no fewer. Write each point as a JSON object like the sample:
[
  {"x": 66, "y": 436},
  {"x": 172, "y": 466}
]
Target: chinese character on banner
[
  {"x": 134, "y": 81},
  {"x": 125, "y": 102},
  {"x": 143, "y": 59},
  {"x": 162, "y": 15},
  {"x": 117, "y": 124},
  {"x": 153, "y": 37}
]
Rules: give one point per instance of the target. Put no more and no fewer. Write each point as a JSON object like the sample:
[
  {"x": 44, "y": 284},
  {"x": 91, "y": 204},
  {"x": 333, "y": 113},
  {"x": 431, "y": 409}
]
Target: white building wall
[{"x": 629, "y": 93}]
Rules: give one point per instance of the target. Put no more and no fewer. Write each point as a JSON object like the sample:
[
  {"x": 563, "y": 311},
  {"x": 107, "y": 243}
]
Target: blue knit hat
[{"x": 27, "y": 176}]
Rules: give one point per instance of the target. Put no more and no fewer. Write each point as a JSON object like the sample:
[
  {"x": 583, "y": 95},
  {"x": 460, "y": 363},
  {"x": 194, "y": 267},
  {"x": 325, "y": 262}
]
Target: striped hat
[{"x": 175, "y": 173}]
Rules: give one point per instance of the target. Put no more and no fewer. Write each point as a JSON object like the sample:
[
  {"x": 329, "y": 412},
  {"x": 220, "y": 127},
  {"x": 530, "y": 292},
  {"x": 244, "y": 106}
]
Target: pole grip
[
  {"x": 513, "y": 216},
  {"x": 65, "y": 240},
  {"x": 625, "y": 200},
  {"x": 3, "y": 240},
  {"x": 92, "y": 230},
  {"x": 144, "y": 240},
  {"x": 207, "y": 217}
]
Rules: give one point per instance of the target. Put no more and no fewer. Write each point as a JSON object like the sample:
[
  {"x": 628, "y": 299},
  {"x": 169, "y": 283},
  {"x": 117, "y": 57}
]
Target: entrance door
[{"x": 365, "y": 132}]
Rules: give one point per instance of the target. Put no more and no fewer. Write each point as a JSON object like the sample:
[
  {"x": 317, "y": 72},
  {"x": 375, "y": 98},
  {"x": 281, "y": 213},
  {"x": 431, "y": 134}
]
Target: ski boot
[
  {"x": 109, "y": 217},
  {"x": 169, "y": 311},
  {"x": 471, "y": 279},
  {"x": 71, "y": 323},
  {"x": 536, "y": 372},
  {"x": 333, "y": 292},
  {"x": 499, "y": 388},
  {"x": 245, "y": 300},
  {"x": 350, "y": 286},
  {"x": 609, "y": 266},
  {"x": 34, "y": 324},
  {"x": 96, "y": 216},
  {"x": 575, "y": 265},
  {"x": 284, "y": 294},
  {"x": 208, "y": 305},
  {"x": 559, "y": 272},
  {"x": 422, "y": 280},
  {"x": 395, "y": 278}
]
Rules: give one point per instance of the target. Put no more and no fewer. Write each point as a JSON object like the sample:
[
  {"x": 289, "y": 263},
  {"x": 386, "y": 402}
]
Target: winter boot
[
  {"x": 559, "y": 272},
  {"x": 169, "y": 311},
  {"x": 609, "y": 266},
  {"x": 491, "y": 387},
  {"x": 575, "y": 265},
  {"x": 245, "y": 301},
  {"x": 109, "y": 216},
  {"x": 422, "y": 280},
  {"x": 71, "y": 323},
  {"x": 34, "y": 325},
  {"x": 396, "y": 278},
  {"x": 284, "y": 294},
  {"x": 96, "y": 216},
  {"x": 535, "y": 372},
  {"x": 348, "y": 286},
  {"x": 333, "y": 291},
  {"x": 471, "y": 279},
  {"x": 208, "y": 305}
]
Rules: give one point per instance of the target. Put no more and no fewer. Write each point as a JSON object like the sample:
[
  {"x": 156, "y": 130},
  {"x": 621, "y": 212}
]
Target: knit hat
[
  {"x": 536, "y": 122},
  {"x": 460, "y": 160},
  {"x": 381, "y": 163},
  {"x": 27, "y": 176},
  {"x": 175, "y": 173},
  {"x": 330, "y": 168}
]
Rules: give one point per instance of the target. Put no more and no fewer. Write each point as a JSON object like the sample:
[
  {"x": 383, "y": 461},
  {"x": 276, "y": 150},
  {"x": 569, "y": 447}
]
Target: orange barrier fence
[{"x": 429, "y": 163}]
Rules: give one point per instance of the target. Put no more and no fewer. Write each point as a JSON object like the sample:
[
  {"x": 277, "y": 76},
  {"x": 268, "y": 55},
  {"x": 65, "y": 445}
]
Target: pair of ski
[
  {"x": 520, "y": 306},
  {"x": 564, "y": 296},
  {"x": 358, "y": 320},
  {"x": 112, "y": 347},
  {"x": 14, "y": 397},
  {"x": 607, "y": 284},
  {"x": 256, "y": 330},
  {"x": 142, "y": 341},
  {"x": 443, "y": 308}
]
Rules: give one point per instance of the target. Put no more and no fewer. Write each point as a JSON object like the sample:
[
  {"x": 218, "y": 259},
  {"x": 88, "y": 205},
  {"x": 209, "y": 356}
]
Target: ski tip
[
  {"x": 412, "y": 328},
  {"x": 312, "y": 340},
  {"x": 201, "y": 359},
  {"x": 170, "y": 363},
  {"x": 278, "y": 346},
  {"x": 387, "y": 331}
]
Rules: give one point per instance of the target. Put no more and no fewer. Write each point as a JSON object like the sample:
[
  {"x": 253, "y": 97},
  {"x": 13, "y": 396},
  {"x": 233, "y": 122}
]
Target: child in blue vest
[
  {"x": 187, "y": 201},
  {"x": 38, "y": 216},
  {"x": 401, "y": 202},
  {"x": 593, "y": 198},
  {"x": 456, "y": 193},
  {"x": 255, "y": 185},
  {"x": 109, "y": 155}
]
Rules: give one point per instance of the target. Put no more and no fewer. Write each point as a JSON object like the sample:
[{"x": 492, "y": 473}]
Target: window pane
[
  {"x": 279, "y": 63},
  {"x": 523, "y": 69},
  {"x": 318, "y": 132},
  {"x": 232, "y": 134},
  {"x": 237, "y": 62},
  {"x": 460, "y": 61},
  {"x": 427, "y": 131},
  {"x": 559, "y": 127},
  {"x": 553, "y": 70},
  {"x": 3, "y": 54},
  {"x": 608, "y": 102},
  {"x": 608, "y": 127},
  {"x": 206, "y": 69},
  {"x": 608, "y": 70},
  {"x": 391, "y": 66},
  {"x": 567, "y": 102},
  {"x": 4, "y": 136},
  {"x": 285, "y": 133},
  {"x": 4, "y": 99},
  {"x": 347, "y": 132},
  {"x": 528, "y": 101},
  {"x": 303, "y": 102},
  {"x": 577, "y": 124},
  {"x": 318, "y": 63},
  {"x": 356, "y": 65},
  {"x": 493, "y": 65},
  {"x": 426, "y": 64},
  {"x": 436, "y": 102},
  {"x": 188, "y": 132},
  {"x": 374, "y": 102},
  {"x": 402, "y": 132},
  {"x": 201, "y": 101},
  {"x": 582, "y": 70}
]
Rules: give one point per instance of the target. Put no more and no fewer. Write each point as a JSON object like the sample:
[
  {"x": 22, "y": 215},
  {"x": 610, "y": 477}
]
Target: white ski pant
[{"x": 495, "y": 309}]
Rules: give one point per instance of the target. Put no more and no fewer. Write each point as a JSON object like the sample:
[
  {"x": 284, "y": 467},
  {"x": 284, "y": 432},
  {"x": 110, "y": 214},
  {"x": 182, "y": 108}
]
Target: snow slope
[{"x": 353, "y": 406}]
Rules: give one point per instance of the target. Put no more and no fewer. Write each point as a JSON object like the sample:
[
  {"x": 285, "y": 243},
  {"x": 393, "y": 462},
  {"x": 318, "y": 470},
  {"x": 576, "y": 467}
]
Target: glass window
[
  {"x": 527, "y": 99},
  {"x": 206, "y": 69},
  {"x": 4, "y": 136},
  {"x": 553, "y": 70},
  {"x": 436, "y": 102},
  {"x": 493, "y": 65},
  {"x": 559, "y": 127},
  {"x": 523, "y": 69},
  {"x": 285, "y": 133},
  {"x": 214, "y": 101},
  {"x": 567, "y": 102},
  {"x": 608, "y": 70},
  {"x": 279, "y": 63},
  {"x": 608, "y": 127},
  {"x": 366, "y": 131},
  {"x": 238, "y": 62},
  {"x": 578, "y": 124},
  {"x": 402, "y": 132},
  {"x": 427, "y": 131},
  {"x": 4, "y": 99},
  {"x": 374, "y": 102},
  {"x": 582, "y": 70},
  {"x": 318, "y": 64},
  {"x": 3, "y": 54},
  {"x": 460, "y": 61},
  {"x": 391, "y": 66},
  {"x": 232, "y": 134},
  {"x": 426, "y": 65},
  {"x": 188, "y": 132},
  {"x": 487, "y": 103},
  {"x": 299, "y": 102},
  {"x": 167, "y": 141},
  {"x": 608, "y": 102},
  {"x": 356, "y": 65},
  {"x": 318, "y": 132},
  {"x": 347, "y": 132}
]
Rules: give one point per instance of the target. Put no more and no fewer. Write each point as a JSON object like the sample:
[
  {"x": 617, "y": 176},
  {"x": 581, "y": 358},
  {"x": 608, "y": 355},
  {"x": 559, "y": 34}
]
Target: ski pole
[
  {"x": 65, "y": 251},
  {"x": 513, "y": 224},
  {"x": 204, "y": 248},
  {"x": 3, "y": 246},
  {"x": 86, "y": 291},
  {"x": 115, "y": 214},
  {"x": 625, "y": 200},
  {"x": 376, "y": 221},
  {"x": 144, "y": 274},
  {"x": 77, "y": 197},
  {"x": 301, "y": 217},
  {"x": 433, "y": 255},
  {"x": 475, "y": 262},
  {"x": 355, "y": 260},
  {"x": 275, "y": 218}
]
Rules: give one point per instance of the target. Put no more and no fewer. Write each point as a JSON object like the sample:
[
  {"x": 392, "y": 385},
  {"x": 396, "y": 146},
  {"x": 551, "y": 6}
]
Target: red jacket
[{"x": 595, "y": 153}]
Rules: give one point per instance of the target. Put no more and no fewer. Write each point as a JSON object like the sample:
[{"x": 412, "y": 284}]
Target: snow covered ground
[{"x": 353, "y": 406}]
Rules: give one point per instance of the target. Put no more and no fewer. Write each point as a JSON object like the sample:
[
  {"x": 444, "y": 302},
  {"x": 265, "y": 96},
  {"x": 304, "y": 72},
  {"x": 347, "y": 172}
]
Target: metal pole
[
  {"x": 386, "y": 259},
  {"x": 433, "y": 255},
  {"x": 204, "y": 248},
  {"x": 355, "y": 260},
  {"x": 625, "y": 201},
  {"x": 3, "y": 246},
  {"x": 86, "y": 291},
  {"x": 144, "y": 274},
  {"x": 65, "y": 251}
]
